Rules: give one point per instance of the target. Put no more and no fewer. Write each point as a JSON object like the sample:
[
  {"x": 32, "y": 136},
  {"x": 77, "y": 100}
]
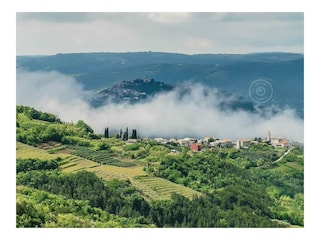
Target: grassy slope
[
  {"x": 24, "y": 151},
  {"x": 153, "y": 188}
]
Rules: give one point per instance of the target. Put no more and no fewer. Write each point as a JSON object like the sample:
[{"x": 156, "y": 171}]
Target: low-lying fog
[{"x": 166, "y": 115}]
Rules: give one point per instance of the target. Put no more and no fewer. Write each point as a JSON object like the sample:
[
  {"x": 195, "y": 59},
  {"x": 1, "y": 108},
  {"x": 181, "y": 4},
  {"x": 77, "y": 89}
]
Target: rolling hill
[{"x": 233, "y": 73}]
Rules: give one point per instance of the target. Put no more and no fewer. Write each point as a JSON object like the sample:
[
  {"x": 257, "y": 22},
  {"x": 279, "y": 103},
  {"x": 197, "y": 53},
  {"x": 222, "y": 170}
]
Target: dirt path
[{"x": 286, "y": 153}]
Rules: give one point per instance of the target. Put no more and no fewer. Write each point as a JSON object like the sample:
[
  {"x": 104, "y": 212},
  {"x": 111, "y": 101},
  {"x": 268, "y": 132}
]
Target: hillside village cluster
[{"x": 196, "y": 145}]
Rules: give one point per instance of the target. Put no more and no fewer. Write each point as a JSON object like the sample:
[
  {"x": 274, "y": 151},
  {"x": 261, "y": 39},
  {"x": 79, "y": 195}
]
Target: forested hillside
[
  {"x": 69, "y": 176},
  {"x": 227, "y": 72}
]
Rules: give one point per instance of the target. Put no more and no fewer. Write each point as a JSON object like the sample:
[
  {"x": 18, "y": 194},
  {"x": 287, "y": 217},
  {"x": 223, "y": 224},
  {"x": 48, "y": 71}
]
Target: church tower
[{"x": 269, "y": 136}]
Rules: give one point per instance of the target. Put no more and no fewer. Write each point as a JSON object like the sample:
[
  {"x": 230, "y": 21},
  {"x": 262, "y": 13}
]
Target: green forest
[{"x": 69, "y": 176}]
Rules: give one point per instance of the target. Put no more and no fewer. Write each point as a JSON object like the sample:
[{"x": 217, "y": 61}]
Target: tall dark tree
[
  {"x": 120, "y": 133},
  {"x": 106, "y": 132},
  {"x": 134, "y": 134},
  {"x": 125, "y": 135}
]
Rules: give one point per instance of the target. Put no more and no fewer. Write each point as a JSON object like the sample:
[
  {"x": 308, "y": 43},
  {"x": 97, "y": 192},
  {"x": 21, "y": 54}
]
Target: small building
[
  {"x": 195, "y": 147},
  {"x": 279, "y": 142},
  {"x": 243, "y": 143},
  {"x": 173, "y": 140},
  {"x": 183, "y": 142},
  {"x": 174, "y": 151},
  {"x": 223, "y": 143},
  {"x": 161, "y": 140}
]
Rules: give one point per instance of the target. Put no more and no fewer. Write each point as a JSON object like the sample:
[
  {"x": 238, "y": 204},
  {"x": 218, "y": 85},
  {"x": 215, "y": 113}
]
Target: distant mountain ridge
[{"x": 233, "y": 73}]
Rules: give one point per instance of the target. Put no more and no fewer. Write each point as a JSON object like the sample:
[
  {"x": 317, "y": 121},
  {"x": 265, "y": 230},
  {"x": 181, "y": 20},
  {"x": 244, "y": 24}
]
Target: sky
[{"x": 47, "y": 33}]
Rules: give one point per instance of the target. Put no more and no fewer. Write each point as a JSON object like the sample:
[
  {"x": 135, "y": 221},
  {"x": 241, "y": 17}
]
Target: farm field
[
  {"x": 295, "y": 165},
  {"x": 24, "y": 151},
  {"x": 153, "y": 188},
  {"x": 158, "y": 188},
  {"x": 75, "y": 163},
  {"x": 102, "y": 156}
]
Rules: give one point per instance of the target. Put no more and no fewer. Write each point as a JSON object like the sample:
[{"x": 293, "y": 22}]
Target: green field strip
[
  {"x": 24, "y": 151},
  {"x": 77, "y": 163},
  {"x": 107, "y": 175},
  {"x": 295, "y": 165},
  {"x": 163, "y": 188}
]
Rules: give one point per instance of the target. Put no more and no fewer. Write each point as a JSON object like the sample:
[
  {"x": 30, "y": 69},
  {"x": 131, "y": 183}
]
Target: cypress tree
[
  {"x": 134, "y": 134},
  {"x": 106, "y": 132},
  {"x": 125, "y": 135},
  {"x": 120, "y": 133}
]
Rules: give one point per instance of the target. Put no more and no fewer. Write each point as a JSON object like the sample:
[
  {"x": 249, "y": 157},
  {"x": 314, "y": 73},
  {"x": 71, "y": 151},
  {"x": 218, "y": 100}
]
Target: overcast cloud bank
[{"x": 184, "y": 32}]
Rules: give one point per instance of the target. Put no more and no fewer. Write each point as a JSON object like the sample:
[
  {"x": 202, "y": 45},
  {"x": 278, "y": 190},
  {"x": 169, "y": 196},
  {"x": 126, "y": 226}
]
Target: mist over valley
[{"x": 170, "y": 95}]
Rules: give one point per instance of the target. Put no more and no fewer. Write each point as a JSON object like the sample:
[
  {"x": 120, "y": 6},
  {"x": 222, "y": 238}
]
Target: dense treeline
[
  {"x": 37, "y": 208},
  {"x": 223, "y": 209},
  {"x": 31, "y": 113},
  {"x": 228, "y": 208},
  {"x": 289, "y": 182},
  {"x": 205, "y": 172},
  {"x": 85, "y": 186},
  {"x": 24, "y": 165},
  {"x": 200, "y": 172}
]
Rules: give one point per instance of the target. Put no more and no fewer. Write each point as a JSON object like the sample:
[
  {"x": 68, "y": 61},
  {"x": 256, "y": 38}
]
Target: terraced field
[
  {"x": 24, "y": 151},
  {"x": 75, "y": 163},
  {"x": 111, "y": 172},
  {"x": 153, "y": 188},
  {"x": 158, "y": 188},
  {"x": 102, "y": 156}
]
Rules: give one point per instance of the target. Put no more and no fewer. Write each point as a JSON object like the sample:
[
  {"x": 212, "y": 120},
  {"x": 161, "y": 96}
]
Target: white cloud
[
  {"x": 169, "y": 18},
  {"x": 166, "y": 115}
]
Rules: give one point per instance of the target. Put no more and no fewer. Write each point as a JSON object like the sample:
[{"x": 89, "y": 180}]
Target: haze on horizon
[{"x": 182, "y": 32}]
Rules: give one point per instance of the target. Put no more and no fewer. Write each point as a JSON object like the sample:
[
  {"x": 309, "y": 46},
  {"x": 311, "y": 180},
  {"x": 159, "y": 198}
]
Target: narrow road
[{"x": 280, "y": 158}]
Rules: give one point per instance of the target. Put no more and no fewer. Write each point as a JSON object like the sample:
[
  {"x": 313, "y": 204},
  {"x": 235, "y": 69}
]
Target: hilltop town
[{"x": 196, "y": 144}]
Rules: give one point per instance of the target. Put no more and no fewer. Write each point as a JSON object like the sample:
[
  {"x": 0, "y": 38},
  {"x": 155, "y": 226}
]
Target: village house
[
  {"x": 195, "y": 147},
  {"x": 173, "y": 140},
  {"x": 186, "y": 141},
  {"x": 223, "y": 143},
  {"x": 161, "y": 140},
  {"x": 279, "y": 142},
  {"x": 207, "y": 140},
  {"x": 183, "y": 142},
  {"x": 243, "y": 143}
]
